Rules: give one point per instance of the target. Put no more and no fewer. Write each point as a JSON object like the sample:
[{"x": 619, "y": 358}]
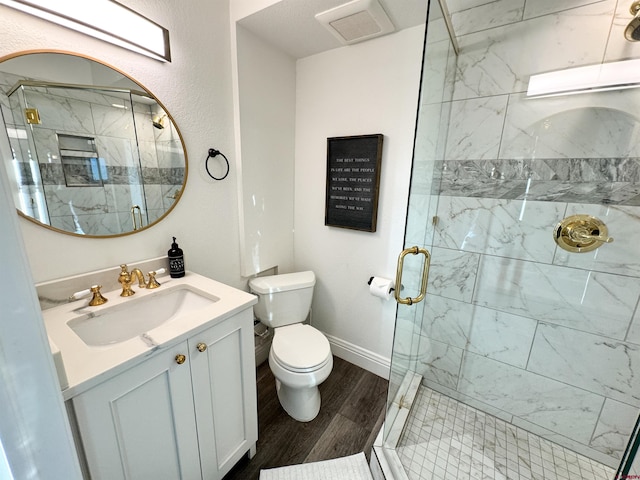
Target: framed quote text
[{"x": 353, "y": 181}]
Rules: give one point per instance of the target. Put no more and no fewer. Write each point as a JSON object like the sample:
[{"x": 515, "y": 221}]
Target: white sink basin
[{"x": 136, "y": 316}]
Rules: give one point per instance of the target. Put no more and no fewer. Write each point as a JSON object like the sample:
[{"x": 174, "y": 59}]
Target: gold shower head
[{"x": 158, "y": 121}]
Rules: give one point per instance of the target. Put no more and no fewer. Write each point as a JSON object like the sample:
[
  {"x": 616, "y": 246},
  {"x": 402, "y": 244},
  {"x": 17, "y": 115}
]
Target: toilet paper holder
[{"x": 371, "y": 280}]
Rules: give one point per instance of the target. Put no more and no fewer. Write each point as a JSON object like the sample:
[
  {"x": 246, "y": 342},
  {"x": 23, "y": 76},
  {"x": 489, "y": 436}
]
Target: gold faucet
[{"x": 126, "y": 278}]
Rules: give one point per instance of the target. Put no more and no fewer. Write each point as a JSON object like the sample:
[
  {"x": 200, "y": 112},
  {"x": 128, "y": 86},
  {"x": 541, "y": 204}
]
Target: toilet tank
[{"x": 283, "y": 299}]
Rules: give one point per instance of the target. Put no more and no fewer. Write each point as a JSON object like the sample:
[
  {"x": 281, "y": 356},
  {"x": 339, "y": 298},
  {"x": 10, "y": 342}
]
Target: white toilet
[{"x": 300, "y": 356}]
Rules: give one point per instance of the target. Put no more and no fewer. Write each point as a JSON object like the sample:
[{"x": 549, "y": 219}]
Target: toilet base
[
  {"x": 298, "y": 392},
  {"x": 302, "y": 404}
]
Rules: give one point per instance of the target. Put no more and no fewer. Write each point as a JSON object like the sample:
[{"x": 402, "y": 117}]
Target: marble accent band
[
  {"x": 612, "y": 181},
  {"x": 52, "y": 174}
]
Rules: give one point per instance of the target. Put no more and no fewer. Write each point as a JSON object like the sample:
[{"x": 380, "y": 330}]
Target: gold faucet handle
[
  {"x": 97, "y": 299},
  {"x": 153, "y": 283}
]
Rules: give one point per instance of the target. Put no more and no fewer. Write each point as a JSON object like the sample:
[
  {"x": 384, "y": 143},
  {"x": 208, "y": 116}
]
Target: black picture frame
[{"x": 353, "y": 181}]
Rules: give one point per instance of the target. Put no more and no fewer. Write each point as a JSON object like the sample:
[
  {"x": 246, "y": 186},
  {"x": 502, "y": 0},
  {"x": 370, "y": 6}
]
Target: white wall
[
  {"x": 265, "y": 139},
  {"x": 196, "y": 88},
  {"x": 366, "y": 88},
  {"x": 243, "y": 8}
]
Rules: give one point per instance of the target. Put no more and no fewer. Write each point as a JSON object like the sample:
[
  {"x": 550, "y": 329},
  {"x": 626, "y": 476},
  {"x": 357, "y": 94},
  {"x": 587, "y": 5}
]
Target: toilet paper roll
[{"x": 381, "y": 287}]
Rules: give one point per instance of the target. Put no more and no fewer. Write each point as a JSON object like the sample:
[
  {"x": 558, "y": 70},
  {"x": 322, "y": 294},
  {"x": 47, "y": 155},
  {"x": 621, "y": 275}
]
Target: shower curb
[{"x": 385, "y": 463}]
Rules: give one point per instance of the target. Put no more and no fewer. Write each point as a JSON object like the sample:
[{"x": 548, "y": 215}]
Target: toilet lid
[{"x": 300, "y": 347}]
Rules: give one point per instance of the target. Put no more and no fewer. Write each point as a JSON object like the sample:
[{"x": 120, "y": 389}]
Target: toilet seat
[{"x": 300, "y": 348}]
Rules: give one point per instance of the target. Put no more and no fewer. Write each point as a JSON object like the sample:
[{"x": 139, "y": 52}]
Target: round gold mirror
[{"x": 91, "y": 152}]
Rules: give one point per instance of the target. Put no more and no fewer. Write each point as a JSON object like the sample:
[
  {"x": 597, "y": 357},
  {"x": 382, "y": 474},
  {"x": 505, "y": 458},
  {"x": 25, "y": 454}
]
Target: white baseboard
[{"x": 359, "y": 356}]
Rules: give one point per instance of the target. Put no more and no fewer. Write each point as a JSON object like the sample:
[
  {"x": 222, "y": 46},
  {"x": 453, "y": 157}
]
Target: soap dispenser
[{"x": 176, "y": 260}]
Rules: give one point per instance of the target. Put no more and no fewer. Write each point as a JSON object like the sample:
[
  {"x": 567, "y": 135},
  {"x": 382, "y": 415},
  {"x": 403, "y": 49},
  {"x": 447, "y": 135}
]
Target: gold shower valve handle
[{"x": 581, "y": 233}]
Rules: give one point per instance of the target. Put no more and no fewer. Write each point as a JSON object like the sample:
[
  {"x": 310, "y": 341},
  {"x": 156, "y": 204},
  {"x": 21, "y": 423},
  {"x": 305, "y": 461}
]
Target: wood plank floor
[{"x": 350, "y": 417}]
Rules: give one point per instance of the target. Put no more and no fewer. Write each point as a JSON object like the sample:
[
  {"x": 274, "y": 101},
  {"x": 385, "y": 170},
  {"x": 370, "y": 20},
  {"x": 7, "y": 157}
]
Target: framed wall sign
[{"x": 353, "y": 181}]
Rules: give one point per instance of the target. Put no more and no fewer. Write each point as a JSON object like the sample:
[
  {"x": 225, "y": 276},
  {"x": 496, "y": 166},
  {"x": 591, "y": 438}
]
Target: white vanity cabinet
[{"x": 166, "y": 419}]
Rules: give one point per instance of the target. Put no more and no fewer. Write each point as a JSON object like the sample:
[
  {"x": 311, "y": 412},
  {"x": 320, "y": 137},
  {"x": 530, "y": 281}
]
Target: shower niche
[
  {"x": 81, "y": 164},
  {"x": 90, "y": 160}
]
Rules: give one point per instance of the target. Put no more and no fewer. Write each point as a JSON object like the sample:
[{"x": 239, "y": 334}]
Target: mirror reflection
[{"x": 92, "y": 152}]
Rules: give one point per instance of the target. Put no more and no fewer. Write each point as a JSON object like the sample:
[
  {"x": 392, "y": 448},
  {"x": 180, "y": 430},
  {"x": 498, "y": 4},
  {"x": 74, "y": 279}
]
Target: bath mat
[{"x": 353, "y": 467}]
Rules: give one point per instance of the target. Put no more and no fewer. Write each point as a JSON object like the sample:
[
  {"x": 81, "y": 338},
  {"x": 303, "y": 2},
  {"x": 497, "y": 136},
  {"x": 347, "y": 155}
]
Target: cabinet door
[
  {"x": 140, "y": 424},
  {"x": 224, "y": 386}
]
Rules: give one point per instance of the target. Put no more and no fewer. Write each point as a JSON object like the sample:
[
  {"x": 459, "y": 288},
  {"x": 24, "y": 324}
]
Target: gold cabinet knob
[
  {"x": 180, "y": 359},
  {"x": 201, "y": 347}
]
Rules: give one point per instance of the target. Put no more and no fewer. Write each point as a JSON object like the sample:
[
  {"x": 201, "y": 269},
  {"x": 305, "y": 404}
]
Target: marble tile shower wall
[
  {"x": 140, "y": 161},
  {"x": 547, "y": 339}
]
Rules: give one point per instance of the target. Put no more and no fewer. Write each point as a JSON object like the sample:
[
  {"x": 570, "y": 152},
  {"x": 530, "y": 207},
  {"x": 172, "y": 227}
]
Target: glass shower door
[
  {"x": 410, "y": 352},
  {"x": 439, "y": 59},
  {"x": 519, "y": 330}
]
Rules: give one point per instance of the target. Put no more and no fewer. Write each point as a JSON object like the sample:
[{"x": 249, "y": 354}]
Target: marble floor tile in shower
[{"x": 447, "y": 440}]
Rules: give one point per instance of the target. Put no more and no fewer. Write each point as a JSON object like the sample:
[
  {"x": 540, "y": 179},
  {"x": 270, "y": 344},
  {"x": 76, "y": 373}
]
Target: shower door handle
[
  {"x": 134, "y": 209},
  {"x": 425, "y": 275}
]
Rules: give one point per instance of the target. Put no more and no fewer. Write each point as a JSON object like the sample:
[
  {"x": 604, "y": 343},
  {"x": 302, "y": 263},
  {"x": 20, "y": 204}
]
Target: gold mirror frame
[{"x": 177, "y": 195}]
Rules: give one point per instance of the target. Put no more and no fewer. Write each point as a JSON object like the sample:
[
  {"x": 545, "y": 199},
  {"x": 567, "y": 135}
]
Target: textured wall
[{"x": 196, "y": 89}]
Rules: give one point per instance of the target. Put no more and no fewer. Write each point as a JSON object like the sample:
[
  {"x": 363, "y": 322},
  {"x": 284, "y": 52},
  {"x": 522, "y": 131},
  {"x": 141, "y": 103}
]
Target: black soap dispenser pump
[{"x": 176, "y": 260}]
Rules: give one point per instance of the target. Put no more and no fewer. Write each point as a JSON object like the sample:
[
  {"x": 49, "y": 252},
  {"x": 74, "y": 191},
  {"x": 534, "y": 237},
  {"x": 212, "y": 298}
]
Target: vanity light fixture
[
  {"x": 592, "y": 78},
  {"x": 106, "y": 20}
]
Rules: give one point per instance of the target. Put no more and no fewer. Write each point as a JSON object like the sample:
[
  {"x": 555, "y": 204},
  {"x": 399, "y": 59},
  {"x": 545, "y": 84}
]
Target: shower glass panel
[
  {"x": 533, "y": 347},
  {"x": 432, "y": 123},
  {"x": 24, "y": 165},
  {"x": 79, "y": 153}
]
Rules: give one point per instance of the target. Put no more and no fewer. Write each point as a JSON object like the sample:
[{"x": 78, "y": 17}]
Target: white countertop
[{"x": 86, "y": 366}]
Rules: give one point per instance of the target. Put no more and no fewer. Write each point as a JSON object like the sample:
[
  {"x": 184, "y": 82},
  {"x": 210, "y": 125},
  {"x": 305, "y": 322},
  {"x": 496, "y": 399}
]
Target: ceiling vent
[{"x": 356, "y": 21}]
